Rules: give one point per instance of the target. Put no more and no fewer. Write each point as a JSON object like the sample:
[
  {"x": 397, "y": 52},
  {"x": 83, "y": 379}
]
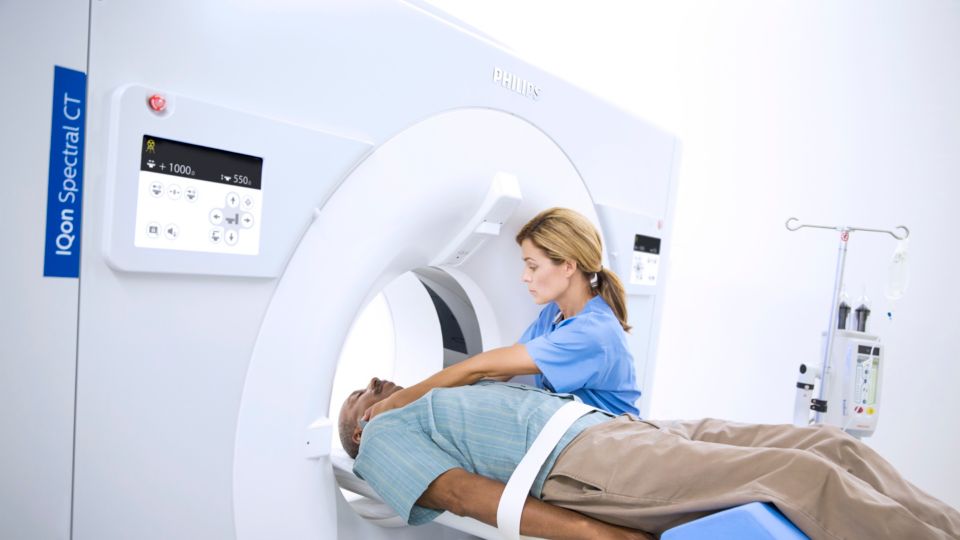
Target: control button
[
  {"x": 157, "y": 103},
  {"x": 156, "y": 189},
  {"x": 247, "y": 202},
  {"x": 233, "y": 199},
  {"x": 246, "y": 220},
  {"x": 216, "y": 216},
  {"x": 153, "y": 230},
  {"x": 233, "y": 220},
  {"x": 190, "y": 193},
  {"x": 171, "y": 231},
  {"x": 231, "y": 237},
  {"x": 216, "y": 235},
  {"x": 173, "y": 191}
]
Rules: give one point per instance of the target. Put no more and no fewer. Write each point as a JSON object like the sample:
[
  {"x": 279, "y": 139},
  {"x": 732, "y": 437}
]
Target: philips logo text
[{"x": 515, "y": 84}]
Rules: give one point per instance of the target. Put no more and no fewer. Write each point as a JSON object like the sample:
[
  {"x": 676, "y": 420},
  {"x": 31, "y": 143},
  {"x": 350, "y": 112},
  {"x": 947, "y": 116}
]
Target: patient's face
[{"x": 358, "y": 402}]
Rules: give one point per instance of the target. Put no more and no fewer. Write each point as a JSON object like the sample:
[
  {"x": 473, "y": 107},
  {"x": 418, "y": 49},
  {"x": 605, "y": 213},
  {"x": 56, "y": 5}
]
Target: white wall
[{"x": 833, "y": 112}]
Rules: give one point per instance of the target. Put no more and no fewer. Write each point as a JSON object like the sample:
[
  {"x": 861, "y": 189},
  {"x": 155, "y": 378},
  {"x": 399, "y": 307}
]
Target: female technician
[{"x": 578, "y": 343}]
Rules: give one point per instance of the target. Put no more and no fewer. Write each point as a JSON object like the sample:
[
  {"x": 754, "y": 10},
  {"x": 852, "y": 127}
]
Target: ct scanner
[{"x": 342, "y": 150}]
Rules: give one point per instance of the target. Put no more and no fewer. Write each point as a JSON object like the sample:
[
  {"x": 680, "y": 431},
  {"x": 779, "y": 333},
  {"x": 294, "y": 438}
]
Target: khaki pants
[{"x": 656, "y": 475}]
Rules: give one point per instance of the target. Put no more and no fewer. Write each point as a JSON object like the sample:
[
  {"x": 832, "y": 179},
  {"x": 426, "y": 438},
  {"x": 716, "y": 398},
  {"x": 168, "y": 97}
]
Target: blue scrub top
[{"x": 585, "y": 355}]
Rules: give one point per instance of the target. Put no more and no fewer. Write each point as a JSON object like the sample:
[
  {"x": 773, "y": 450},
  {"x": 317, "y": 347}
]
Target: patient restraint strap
[{"x": 518, "y": 487}]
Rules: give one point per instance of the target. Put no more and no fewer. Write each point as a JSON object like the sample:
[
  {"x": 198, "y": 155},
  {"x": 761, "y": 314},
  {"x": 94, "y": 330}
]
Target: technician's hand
[{"x": 395, "y": 401}]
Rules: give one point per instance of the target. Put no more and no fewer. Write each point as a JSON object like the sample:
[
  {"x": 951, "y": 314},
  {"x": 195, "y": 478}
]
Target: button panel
[
  {"x": 644, "y": 268},
  {"x": 180, "y": 213}
]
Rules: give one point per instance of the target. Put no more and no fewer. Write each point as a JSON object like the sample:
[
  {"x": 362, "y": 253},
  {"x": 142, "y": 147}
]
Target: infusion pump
[{"x": 847, "y": 390}]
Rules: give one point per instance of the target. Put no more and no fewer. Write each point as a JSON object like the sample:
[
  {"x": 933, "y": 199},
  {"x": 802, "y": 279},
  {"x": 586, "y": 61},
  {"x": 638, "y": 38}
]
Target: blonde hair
[{"x": 565, "y": 235}]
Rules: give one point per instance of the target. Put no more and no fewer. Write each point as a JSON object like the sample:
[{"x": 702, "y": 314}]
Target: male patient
[{"x": 454, "y": 449}]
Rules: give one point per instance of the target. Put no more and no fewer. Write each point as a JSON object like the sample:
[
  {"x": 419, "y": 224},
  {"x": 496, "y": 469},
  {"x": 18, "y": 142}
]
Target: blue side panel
[
  {"x": 65, "y": 176},
  {"x": 754, "y": 521}
]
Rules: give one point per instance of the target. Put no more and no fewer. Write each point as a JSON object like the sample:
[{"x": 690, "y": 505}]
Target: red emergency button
[{"x": 157, "y": 102}]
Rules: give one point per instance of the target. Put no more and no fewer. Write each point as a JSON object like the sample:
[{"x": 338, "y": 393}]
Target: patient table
[{"x": 754, "y": 521}]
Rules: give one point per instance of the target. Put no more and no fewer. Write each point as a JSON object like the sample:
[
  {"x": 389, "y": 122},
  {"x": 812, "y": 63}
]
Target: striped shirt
[{"x": 485, "y": 429}]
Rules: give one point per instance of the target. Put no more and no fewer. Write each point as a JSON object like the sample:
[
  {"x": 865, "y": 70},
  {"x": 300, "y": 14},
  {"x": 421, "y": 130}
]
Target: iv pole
[{"x": 793, "y": 224}]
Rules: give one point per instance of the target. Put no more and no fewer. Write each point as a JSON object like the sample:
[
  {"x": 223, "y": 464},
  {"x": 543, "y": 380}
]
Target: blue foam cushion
[{"x": 754, "y": 521}]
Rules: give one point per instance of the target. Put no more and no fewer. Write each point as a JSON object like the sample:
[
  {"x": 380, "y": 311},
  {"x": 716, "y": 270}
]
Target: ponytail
[{"x": 611, "y": 290}]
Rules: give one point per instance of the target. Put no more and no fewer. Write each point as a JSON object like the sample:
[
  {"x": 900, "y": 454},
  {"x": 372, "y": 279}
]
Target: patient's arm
[
  {"x": 467, "y": 494},
  {"x": 501, "y": 364}
]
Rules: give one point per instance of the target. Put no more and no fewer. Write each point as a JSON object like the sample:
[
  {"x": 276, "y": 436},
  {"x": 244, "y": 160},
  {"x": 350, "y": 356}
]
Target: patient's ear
[{"x": 357, "y": 432}]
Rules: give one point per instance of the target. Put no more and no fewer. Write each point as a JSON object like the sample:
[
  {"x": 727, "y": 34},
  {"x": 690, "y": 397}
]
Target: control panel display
[
  {"x": 645, "y": 266},
  {"x": 195, "y": 198},
  {"x": 866, "y": 381}
]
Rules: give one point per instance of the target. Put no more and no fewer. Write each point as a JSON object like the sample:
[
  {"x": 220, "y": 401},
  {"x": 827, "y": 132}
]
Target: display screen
[
  {"x": 196, "y": 198},
  {"x": 175, "y": 158},
  {"x": 646, "y": 244},
  {"x": 873, "y": 383}
]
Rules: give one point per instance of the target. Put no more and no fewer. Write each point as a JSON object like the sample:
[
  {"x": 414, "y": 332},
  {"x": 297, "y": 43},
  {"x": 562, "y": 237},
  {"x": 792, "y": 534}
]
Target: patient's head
[{"x": 353, "y": 408}]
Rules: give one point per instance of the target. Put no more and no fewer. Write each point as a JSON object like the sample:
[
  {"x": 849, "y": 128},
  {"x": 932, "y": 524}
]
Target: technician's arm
[
  {"x": 471, "y": 495},
  {"x": 502, "y": 362}
]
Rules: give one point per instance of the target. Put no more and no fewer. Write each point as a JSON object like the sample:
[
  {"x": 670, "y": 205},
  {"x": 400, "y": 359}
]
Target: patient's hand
[{"x": 613, "y": 532}]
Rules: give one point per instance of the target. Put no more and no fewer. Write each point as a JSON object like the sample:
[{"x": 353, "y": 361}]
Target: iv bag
[{"x": 897, "y": 274}]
